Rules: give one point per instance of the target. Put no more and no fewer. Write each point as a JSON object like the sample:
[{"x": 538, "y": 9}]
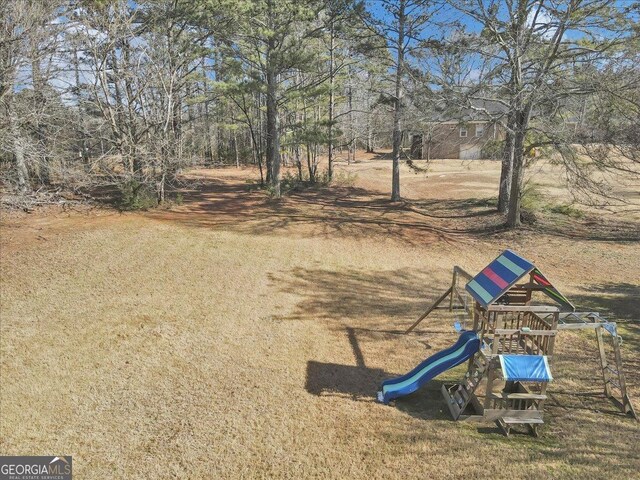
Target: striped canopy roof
[{"x": 503, "y": 273}]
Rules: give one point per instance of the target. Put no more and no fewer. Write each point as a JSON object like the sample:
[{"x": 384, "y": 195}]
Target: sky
[{"x": 445, "y": 17}]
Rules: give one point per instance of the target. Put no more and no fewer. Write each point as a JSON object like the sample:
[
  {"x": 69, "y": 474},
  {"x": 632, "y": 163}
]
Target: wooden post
[
  {"x": 551, "y": 342},
  {"x": 627, "y": 407},
  {"x": 491, "y": 374},
  {"x": 529, "y": 290},
  {"x": 431, "y": 309},
  {"x": 470, "y": 364},
  {"x": 603, "y": 362},
  {"x": 454, "y": 286},
  {"x": 476, "y": 316}
]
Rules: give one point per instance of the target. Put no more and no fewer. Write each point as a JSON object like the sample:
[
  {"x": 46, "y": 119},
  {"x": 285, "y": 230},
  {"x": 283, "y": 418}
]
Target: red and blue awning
[
  {"x": 550, "y": 290},
  {"x": 503, "y": 273}
]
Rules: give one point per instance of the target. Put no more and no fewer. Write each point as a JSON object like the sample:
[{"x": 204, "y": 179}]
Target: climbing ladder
[
  {"x": 612, "y": 374},
  {"x": 615, "y": 387},
  {"x": 459, "y": 396}
]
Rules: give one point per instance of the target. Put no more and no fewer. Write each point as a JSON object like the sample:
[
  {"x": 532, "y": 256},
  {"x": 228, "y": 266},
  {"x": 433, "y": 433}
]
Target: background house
[
  {"x": 465, "y": 141},
  {"x": 463, "y": 134}
]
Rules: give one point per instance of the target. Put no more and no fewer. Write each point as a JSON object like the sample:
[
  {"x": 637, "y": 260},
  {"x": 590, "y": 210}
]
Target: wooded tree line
[{"x": 127, "y": 93}]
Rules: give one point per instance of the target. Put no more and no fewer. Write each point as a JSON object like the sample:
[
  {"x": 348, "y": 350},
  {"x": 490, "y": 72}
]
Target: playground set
[{"x": 508, "y": 347}]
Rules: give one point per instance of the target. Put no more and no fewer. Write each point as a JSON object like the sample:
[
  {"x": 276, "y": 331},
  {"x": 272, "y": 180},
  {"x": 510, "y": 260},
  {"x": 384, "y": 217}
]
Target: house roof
[
  {"x": 504, "y": 272},
  {"x": 477, "y": 110}
]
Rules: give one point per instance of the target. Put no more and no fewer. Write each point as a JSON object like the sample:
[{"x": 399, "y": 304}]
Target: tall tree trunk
[
  {"x": 273, "y": 139},
  {"x": 331, "y": 100},
  {"x": 208, "y": 147},
  {"x": 235, "y": 149},
  {"x": 41, "y": 135},
  {"x": 17, "y": 143},
  {"x": 369, "y": 147},
  {"x": 263, "y": 138},
  {"x": 312, "y": 177},
  {"x": 506, "y": 172},
  {"x": 119, "y": 122},
  {"x": 521, "y": 123},
  {"x": 131, "y": 123},
  {"x": 273, "y": 144},
  {"x": 219, "y": 110},
  {"x": 397, "y": 111},
  {"x": 81, "y": 132},
  {"x": 22, "y": 173},
  {"x": 370, "y": 137},
  {"x": 351, "y": 152},
  {"x": 298, "y": 161}
]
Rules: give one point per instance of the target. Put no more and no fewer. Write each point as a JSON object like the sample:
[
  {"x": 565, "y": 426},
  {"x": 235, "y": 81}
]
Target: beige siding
[{"x": 445, "y": 141}]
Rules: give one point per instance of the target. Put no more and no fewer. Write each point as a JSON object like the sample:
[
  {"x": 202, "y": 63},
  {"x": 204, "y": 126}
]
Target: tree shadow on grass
[
  {"x": 620, "y": 301},
  {"x": 595, "y": 402},
  {"x": 231, "y": 203},
  {"x": 320, "y": 211},
  {"x": 383, "y": 301},
  {"x": 361, "y": 383},
  {"x": 356, "y": 212},
  {"x": 591, "y": 227},
  {"x": 355, "y": 382}
]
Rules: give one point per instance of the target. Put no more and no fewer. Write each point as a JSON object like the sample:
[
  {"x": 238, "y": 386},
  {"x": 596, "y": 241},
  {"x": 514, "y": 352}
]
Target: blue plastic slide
[{"x": 463, "y": 349}]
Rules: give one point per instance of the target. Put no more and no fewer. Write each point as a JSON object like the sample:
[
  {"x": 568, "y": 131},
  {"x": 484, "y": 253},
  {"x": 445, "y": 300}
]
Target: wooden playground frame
[
  {"x": 453, "y": 292},
  {"x": 517, "y": 327}
]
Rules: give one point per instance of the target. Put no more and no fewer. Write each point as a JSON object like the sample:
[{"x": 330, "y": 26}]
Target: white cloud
[{"x": 541, "y": 21}]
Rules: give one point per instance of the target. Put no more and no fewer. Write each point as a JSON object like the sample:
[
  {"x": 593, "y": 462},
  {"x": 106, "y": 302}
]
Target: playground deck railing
[{"x": 516, "y": 330}]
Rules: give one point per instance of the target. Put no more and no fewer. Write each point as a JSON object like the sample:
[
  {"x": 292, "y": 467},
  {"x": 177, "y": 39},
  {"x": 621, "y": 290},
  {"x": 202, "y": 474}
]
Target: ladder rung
[
  {"x": 463, "y": 393},
  {"x": 511, "y": 421},
  {"x": 612, "y": 370},
  {"x": 471, "y": 385},
  {"x": 518, "y": 396}
]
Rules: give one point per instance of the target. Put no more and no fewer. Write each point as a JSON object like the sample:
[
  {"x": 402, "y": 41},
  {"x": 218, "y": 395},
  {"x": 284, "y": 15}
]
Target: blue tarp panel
[
  {"x": 611, "y": 328},
  {"x": 525, "y": 368}
]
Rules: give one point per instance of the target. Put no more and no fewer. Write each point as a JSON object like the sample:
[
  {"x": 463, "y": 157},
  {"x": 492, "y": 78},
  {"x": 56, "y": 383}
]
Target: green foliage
[
  {"x": 534, "y": 200},
  {"x": 344, "y": 179},
  {"x": 567, "y": 210},
  {"x": 492, "y": 150},
  {"x": 135, "y": 195},
  {"x": 290, "y": 182}
]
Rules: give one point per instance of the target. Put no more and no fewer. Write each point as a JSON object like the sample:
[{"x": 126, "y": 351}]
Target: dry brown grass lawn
[{"x": 237, "y": 337}]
